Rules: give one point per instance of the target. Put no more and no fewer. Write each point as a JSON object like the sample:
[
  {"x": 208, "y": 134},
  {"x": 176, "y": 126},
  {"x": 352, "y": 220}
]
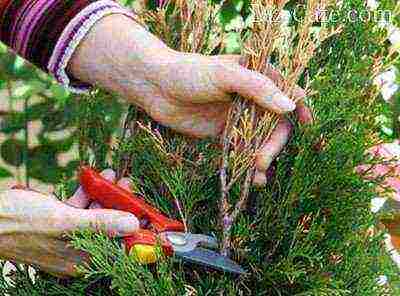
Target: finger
[
  {"x": 277, "y": 141},
  {"x": 125, "y": 183},
  {"x": 253, "y": 86},
  {"x": 80, "y": 199},
  {"x": 196, "y": 120},
  {"x": 231, "y": 58},
  {"x": 260, "y": 179},
  {"x": 114, "y": 223},
  {"x": 23, "y": 187},
  {"x": 304, "y": 113},
  {"x": 298, "y": 93},
  {"x": 270, "y": 72},
  {"x": 95, "y": 205},
  {"x": 387, "y": 152},
  {"x": 372, "y": 172},
  {"x": 20, "y": 187},
  {"x": 393, "y": 183}
]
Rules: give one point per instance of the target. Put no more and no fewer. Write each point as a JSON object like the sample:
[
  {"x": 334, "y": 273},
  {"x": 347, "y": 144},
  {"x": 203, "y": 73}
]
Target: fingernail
[
  {"x": 260, "y": 179},
  {"x": 125, "y": 183},
  {"x": 264, "y": 161},
  {"x": 243, "y": 61},
  {"x": 94, "y": 205},
  {"x": 109, "y": 174},
  {"x": 127, "y": 224},
  {"x": 283, "y": 103}
]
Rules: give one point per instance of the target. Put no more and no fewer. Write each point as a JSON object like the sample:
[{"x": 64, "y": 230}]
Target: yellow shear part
[{"x": 145, "y": 254}]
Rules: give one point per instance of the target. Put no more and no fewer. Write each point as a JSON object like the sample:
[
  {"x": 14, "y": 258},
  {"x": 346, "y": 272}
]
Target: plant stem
[{"x": 26, "y": 143}]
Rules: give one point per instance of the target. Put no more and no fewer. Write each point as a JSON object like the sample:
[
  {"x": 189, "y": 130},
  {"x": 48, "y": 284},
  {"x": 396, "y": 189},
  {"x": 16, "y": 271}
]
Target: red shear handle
[
  {"x": 112, "y": 196},
  {"x": 149, "y": 238}
]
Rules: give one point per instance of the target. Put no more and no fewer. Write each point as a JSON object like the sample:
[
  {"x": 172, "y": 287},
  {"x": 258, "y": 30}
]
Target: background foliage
[{"x": 306, "y": 233}]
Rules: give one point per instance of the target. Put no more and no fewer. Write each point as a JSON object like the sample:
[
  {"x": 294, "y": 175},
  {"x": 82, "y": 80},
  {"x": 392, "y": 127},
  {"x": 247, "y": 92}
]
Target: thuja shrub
[{"x": 307, "y": 232}]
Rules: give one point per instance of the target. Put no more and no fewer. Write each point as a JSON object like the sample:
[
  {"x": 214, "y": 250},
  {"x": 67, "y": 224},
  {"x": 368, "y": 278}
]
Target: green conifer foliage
[{"x": 306, "y": 233}]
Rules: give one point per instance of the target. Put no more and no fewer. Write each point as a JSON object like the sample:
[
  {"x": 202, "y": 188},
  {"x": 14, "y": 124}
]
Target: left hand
[
  {"x": 33, "y": 227},
  {"x": 190, "y": 93}
]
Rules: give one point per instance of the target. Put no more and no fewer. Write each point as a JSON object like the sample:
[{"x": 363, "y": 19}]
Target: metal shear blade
[
  {"x": 212, "y": 259},
  {"x": 185, "y": 242},
  {"x": 186, "y": 246}
]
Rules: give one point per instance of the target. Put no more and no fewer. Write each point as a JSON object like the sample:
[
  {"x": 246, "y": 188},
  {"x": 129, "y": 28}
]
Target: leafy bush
[{"x": 306, "y": 233}]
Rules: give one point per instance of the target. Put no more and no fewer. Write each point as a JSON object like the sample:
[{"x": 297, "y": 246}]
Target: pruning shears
[{"x": 162, "y": 231}]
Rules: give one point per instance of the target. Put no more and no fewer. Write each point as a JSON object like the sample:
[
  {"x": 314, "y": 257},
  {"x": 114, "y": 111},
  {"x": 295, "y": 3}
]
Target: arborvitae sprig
[{"x": 306, "y": 233}]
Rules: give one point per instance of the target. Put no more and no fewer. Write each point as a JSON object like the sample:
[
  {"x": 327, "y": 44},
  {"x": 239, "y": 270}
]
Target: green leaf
[
  {"x": 235, "y": 24},
  {"x": 18, "y": 64},
  {"x": 232, "y": 43},
  {"x": 12, "y": 152},
  {"x": 13, "y": 122},
  {"x": 387, "y": 130},
  {"x": 3, "y": 48},
  {"x": 60, "y": 93},
  {"x": 28, "y": 89},
  {"x": 231, "y": 19},
  {"x": 238, "y": 4},
  {"x": 4, "y": 173}
]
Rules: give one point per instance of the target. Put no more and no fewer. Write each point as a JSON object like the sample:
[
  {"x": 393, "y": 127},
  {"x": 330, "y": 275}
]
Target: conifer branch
[
  {"x": 260, "y": 46},
  {"x": 247, "y": 126}
]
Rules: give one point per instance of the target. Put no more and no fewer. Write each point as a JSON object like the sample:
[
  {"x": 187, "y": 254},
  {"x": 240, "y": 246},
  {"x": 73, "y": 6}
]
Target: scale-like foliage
[{"x": 305, "y": 233}]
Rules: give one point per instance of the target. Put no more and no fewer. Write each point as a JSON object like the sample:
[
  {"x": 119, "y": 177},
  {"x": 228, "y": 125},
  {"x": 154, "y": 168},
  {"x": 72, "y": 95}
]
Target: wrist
[{"x": 117, "y": 54}]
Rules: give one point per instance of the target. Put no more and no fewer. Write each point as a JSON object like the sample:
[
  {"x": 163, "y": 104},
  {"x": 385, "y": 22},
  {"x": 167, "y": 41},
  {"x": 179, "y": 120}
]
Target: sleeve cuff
[{"x": 72, "y": 36}]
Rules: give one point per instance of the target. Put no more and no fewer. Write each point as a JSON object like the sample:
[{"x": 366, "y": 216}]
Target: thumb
[
  {"x": 253, "y": 86},
  {"x": 114, "y": 223}
]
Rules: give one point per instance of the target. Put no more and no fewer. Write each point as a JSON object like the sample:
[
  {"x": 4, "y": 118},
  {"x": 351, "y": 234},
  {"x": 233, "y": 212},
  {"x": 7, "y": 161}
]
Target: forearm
[{"x": 46, "y": 32}]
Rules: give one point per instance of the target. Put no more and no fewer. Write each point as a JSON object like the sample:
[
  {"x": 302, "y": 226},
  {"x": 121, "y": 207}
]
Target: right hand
[
  {"x": 33, "y": 227},
  {"x": 190, "y": 93}
]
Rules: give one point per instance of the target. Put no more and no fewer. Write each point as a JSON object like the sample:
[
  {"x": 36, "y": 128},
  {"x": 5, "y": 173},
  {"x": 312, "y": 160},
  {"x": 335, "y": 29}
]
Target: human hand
[
  {"x": 190, "y": 93},
  {"x": 33, "y": 227},
  {"x": 388, "y": 173},
  {"x": 388, "y": 170}
]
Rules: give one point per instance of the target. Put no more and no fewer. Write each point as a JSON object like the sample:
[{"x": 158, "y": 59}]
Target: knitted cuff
[
  {"x": 32, "y": 27},
  {"x": 73, "y": 34}
]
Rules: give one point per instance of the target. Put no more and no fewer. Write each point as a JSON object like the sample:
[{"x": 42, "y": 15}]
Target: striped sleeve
[{"x": 46, "y": 32}]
